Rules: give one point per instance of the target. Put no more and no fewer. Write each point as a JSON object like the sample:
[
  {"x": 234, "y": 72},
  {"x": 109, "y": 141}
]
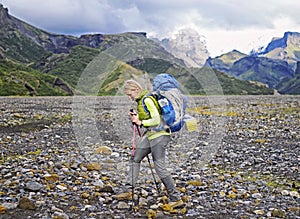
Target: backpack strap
[{"x": 153, "y": 98}]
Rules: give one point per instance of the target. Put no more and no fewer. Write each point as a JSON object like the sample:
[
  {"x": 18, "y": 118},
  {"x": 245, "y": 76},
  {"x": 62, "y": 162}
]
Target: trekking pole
[
  {"x": 156, "y": 182},
  {"x": 132, "y": 157}
]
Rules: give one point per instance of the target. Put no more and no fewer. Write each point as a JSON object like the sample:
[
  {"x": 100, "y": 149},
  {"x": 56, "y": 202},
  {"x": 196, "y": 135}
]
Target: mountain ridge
[
  {"x": 66, "y": 58},
  {"x": 279, "y": 42},
  {"x": 281, "y": 56}
]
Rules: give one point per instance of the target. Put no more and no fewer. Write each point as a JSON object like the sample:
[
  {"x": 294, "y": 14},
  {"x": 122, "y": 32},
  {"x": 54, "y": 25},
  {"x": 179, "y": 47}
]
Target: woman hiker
[{"x": 153, "y": 141}]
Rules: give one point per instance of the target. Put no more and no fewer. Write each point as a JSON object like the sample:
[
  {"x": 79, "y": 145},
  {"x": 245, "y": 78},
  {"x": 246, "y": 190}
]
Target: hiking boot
[{"x": 176, "y": 204}]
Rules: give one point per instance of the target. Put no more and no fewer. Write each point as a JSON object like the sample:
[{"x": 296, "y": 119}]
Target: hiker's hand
[
  {"x": 132, "y": 113},
  {"x": 135, "y": 119}
]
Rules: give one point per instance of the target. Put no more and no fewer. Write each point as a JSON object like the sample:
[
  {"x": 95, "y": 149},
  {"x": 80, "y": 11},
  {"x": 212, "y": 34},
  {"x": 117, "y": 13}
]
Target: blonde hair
[{"x": 132, "y": 85}]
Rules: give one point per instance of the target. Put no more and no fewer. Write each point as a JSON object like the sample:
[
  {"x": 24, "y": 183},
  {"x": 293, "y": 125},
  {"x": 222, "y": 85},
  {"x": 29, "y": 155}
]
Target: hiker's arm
[{"x": 154, "y": 114}]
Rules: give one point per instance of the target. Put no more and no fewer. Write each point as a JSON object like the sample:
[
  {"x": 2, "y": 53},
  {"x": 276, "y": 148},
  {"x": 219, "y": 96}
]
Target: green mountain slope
[
  {"x": 68, "y": 67},
  {"x": 35, "y": 62},
  {"x": 19, "y": 80},
  {"x": 291, "y": 86},
  {"x": 261, "y": 69},
  {"x": 231, "y": 85}
]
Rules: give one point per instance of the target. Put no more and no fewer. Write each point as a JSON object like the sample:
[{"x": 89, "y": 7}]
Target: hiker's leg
[
  {"x": 171, "y": 189},
  {"x": 142, "y": 150},
  {"x": 158, "y": 149}
]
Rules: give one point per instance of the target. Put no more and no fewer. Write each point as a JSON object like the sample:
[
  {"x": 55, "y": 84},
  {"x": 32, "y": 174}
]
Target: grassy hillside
[
  {"x": 20, "y": 47},
  {"x": 231, "y": 85},
  {"x": 72, "y": 65},
  {"x": 113, "y": 81},
  {"x": 16, "y": 80}
]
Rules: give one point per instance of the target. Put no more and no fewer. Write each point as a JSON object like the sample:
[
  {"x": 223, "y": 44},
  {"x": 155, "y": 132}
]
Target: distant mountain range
[
  {"x": 35, "y": 62},
  {"x": 275, "y": 65}
]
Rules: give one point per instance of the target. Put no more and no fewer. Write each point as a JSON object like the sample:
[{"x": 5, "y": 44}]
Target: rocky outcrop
[
  {"x": 62, "y": 85},
  {"x": 91, "y": 40},
  {"x": 189, "y": 46},
  {"x": 4, "y": 16}
]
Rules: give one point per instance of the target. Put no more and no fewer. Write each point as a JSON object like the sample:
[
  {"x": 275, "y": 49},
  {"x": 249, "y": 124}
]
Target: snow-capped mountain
[{"x": 187, "y": 45}]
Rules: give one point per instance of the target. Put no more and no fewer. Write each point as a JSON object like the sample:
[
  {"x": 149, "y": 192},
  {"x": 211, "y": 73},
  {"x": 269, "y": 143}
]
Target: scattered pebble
[{"x": 62, "y": 157}]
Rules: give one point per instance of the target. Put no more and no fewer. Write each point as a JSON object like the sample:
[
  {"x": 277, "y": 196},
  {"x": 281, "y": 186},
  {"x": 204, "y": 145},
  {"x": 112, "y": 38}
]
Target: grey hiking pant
[{"x": 157, "y": 148}]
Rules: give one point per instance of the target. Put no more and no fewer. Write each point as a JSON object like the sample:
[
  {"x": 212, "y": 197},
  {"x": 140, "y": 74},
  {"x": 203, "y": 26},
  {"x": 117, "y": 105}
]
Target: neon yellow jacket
[{"x": 151, "y": 120}]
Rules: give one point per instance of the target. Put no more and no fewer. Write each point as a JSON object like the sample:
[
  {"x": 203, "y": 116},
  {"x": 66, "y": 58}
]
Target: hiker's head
[{"x": 132, "y": 89}]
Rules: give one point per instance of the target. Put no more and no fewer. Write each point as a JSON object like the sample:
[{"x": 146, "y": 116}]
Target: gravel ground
[{"x": 66, "y": 157}]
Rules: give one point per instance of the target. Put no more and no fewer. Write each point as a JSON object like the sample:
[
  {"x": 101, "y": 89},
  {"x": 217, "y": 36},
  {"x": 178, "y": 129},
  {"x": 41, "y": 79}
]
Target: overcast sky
[{"x": 225, "y": 24}]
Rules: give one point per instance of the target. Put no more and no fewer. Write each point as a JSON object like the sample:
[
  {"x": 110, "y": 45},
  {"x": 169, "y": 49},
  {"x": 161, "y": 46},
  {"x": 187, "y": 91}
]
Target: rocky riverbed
[{"x": 67, "y": 157}]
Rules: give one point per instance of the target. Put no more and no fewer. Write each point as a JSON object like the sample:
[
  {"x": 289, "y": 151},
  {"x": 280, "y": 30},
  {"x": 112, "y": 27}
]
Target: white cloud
[{"x": 226, "y": 24}]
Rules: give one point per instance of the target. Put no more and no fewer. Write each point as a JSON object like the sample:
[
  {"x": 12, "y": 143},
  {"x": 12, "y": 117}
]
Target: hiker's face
[{"x": 132, "y": 94}]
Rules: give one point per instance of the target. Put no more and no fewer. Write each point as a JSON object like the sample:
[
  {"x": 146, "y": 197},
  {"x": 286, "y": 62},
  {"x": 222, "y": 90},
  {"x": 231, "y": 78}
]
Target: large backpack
[{"x": 171, "y": 101}]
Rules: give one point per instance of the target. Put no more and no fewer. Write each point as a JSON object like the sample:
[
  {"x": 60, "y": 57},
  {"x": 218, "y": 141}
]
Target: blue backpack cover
[{"x": 171, "y": 101}]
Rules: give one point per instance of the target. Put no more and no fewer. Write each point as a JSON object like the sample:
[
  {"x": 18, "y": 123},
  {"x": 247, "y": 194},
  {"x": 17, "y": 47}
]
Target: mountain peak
[
  {"x": 286, "y": 48},
  {"x": 281, "y": 42},
  {"x": 289, "y": 33},
  {"x": 3, "y": 8},
  {"x": 187, "y": 44},
  {"x": 4, "y": 16}
]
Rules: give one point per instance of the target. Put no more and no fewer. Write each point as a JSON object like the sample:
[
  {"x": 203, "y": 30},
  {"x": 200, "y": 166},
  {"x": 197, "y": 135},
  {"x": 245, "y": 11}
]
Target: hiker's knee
[
  {"x": 161, "y": 169},
  {"x": 163, "y": 173}
]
